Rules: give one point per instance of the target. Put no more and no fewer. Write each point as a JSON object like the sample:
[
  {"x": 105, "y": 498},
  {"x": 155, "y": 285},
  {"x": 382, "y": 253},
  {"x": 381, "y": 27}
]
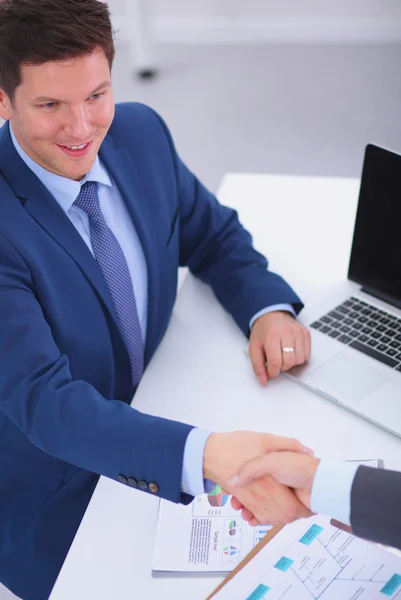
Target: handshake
[{"x": 269, "y": 477}]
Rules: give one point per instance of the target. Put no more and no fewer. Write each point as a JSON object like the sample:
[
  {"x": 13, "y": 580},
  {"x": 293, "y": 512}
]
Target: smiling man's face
[{"x": 62, "y": 112}]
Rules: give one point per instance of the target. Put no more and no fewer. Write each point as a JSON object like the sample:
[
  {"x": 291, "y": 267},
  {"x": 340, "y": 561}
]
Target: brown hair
[{"x": 33, "y": 32}]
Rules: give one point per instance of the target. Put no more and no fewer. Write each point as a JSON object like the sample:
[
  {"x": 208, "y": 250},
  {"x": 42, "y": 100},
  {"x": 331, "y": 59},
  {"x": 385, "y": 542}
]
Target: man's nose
[{"x": 78, "y": 125}]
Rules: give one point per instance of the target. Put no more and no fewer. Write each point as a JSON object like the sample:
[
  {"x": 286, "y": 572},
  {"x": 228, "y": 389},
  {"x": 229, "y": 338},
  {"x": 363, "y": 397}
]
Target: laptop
[{"x": 356, "y": 327}]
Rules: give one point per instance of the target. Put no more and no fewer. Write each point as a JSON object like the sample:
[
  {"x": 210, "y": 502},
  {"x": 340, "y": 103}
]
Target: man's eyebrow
[
  {"x": 101, "y": 86},
  {"x": 44, "y": 99}
]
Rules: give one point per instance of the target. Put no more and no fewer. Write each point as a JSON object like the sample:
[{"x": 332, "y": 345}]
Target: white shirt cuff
[{"x": 331, "y": 491}]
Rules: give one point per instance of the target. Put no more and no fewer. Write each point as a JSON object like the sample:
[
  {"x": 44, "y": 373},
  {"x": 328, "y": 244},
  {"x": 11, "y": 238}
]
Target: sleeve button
[{"x": 154, "y": 488}]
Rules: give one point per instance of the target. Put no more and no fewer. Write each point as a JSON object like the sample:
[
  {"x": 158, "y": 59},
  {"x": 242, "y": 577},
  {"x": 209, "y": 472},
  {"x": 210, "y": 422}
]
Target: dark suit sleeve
[
  {"x": 218, "y": 250},
  {"x": 69, "y": 419},
  {"x": 376, "y": 506}
]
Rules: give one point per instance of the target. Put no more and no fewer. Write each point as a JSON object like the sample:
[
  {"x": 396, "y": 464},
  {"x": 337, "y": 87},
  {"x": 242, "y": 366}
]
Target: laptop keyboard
[{"x": 365, "y": 328}]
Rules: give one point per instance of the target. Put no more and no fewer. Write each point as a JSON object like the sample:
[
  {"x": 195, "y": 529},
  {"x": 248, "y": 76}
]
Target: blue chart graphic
[
  {"x": 259, "y": 593},
  {"x": 322, "y": 562},
  {"x": 311, "y": 535},
  {"x": 284, "y": 564},
  {"x": 261, "y": 531},
  {"x": 392, "y": 585}
]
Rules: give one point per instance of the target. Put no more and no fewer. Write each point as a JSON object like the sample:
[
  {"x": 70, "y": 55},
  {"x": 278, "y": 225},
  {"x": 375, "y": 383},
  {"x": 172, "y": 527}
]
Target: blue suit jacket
[{"x": 65, "y": 382}]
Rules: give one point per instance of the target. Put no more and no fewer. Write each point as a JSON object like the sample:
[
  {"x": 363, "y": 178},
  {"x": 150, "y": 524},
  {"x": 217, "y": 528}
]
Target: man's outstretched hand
[
  {"x": 292, "y": 469},
  {"x": 263, "y": 499}
]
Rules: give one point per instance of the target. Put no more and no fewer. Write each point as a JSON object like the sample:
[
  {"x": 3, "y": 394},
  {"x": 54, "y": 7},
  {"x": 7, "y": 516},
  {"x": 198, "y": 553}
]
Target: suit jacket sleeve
[
  {"x": 376, "y": 506},
  {"x": 69, "y": 419},
  {"x": 218, "y": 250}
]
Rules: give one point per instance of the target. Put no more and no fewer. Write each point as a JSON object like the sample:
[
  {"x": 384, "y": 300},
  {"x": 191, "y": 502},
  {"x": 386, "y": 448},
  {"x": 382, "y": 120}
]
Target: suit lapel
[
  {"x": 48, "y": 214},
  {"x": 45, "y": 210}
]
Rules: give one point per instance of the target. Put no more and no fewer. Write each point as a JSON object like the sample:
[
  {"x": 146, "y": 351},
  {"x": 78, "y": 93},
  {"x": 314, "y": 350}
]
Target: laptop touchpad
[{"x": 348, "y": 377}]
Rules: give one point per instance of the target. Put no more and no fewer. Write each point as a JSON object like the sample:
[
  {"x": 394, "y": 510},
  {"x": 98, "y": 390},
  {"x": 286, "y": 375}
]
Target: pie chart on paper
[
  {"x": 216, "y": 497},
  {"x": 231, "y": 550}
]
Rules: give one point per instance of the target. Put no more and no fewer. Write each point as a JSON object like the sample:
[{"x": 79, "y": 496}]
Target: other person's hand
[
  {"x": 264, "y": 499},
  {"x": 295, "y": 470},
  {"x": 280, "y": 341}
]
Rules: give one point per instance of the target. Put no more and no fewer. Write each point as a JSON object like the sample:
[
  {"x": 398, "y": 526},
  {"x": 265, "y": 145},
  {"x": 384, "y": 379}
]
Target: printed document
[
  {"x": 311, "y": 559},
  {"x": 207, "y": 535}
]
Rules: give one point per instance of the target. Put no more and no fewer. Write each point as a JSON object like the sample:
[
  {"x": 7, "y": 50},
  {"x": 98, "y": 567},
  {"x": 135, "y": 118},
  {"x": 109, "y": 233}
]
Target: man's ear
[{"x": 5, "y": 106}]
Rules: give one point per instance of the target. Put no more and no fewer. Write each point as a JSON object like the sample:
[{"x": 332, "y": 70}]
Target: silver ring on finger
[{"x": 287, "y": 349}]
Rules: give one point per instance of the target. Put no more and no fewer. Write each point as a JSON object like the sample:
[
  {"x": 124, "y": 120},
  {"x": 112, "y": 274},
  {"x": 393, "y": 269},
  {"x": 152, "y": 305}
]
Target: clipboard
[{"x": 269, "y": 536}]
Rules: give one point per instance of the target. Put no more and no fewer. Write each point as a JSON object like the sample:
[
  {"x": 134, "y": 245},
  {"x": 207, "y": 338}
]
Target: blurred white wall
[
  {"x": 277, "y": 8},
  {"x": 250, "y": 21}
]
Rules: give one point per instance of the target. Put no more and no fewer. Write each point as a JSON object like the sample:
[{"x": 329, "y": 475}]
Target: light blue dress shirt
[
  {"x": 65, "y": 191},
  {"x": 264, "y": 311},
  {"x": 331, "y": 491}
]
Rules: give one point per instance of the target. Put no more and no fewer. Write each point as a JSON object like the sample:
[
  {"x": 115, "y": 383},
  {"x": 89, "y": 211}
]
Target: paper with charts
[
  {"x": 311, "y": 559},
  {"x": 206, "y": 535}
]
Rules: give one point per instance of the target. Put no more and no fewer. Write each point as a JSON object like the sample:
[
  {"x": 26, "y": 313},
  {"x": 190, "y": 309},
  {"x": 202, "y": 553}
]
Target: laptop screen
[{"x": 376, "y": 248}]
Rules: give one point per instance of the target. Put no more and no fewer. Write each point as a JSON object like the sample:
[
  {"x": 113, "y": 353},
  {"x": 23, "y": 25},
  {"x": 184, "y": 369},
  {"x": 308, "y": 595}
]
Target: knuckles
[{"x": 274, "y": 363}]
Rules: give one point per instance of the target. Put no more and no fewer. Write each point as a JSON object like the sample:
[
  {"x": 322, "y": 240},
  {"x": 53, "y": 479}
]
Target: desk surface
[{"x": 201, "y": 375}]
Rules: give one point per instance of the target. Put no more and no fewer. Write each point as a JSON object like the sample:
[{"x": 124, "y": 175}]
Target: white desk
[{"x": 201, "y": 375}]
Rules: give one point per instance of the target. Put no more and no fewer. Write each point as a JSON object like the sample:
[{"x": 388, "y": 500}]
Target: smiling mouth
[
  {"x": 80, "y": 147},
  {"x": 77, "y": 147},
  {"x": 75, "y": 150}
]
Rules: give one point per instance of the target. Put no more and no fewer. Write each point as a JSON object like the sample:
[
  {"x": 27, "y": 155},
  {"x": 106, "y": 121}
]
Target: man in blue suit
[{"x": 97, "y": 211}]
